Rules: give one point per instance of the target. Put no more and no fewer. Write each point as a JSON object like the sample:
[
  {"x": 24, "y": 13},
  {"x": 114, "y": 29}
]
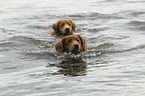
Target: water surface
[{"x": 113, "y": 64}]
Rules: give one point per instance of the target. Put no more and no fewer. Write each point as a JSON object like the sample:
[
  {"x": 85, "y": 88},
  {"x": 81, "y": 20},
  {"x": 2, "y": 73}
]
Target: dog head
[
  {"x": 71, "y": 43},
  {"x": 64, "y": 27}
]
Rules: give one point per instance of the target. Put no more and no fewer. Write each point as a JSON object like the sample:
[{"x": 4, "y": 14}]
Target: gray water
[{"x": 113, "y": 64}]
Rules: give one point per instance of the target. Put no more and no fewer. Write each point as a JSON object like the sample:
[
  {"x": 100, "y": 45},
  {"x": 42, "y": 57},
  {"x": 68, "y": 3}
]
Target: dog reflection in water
[{"x": 73, "y": 67}]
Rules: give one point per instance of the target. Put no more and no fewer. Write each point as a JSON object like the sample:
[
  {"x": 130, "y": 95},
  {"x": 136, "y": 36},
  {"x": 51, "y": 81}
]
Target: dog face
[
  {"x": 64, "y": 27},
  {"x": 71, "y": 43}
]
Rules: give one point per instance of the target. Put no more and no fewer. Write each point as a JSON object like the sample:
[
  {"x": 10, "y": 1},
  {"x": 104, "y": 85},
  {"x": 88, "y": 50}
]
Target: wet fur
[
  {"x": 59, "y": 28},
  {"x": 66, "y": 44}
]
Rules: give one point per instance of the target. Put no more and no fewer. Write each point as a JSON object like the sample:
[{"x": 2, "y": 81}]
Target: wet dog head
[
  {"x": 71, "y": 43},
  {"x": 64, "y": 27}
]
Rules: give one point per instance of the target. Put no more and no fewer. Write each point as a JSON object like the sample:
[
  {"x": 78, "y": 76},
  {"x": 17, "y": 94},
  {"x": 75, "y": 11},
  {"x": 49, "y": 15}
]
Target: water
[{"x": 113, "y": 64}]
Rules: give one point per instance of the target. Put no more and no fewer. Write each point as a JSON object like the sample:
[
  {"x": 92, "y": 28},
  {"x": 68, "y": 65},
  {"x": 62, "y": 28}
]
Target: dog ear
[
  {"x": 83, "y": 42},
  {"x": 56, "y": 26},
  {"x": 60, "y": 46},
  {"x": 73, "y": 25}
]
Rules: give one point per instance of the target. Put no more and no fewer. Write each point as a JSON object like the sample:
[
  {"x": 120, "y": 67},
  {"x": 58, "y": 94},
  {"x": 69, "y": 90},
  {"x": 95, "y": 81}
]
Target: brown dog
[
  {"x": 63, "y": 27},
  {"x": 71, "y": 43}
]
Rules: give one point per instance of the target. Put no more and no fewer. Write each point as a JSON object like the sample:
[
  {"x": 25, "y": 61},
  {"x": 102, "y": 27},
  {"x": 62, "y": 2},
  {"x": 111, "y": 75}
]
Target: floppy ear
[
  {"x": 60, "y": 46},
  {"x": 73, "y": 25},
  {"x": 83, "y": 42},
  {"x": 56, "y": 26}
]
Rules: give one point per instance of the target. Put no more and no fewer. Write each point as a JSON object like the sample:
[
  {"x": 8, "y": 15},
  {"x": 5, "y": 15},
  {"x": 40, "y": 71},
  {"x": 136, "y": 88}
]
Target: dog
[
  {"x": 71, "y": 43},
  {"x": 63, "y": 27}
]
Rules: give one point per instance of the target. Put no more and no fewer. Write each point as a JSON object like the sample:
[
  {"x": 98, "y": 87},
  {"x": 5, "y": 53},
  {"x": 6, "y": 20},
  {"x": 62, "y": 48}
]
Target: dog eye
[
  {"x": 78, "y": 40},
  {"x": 69, "y": 24},
  {"x": 61, "y": 25},
  {"x": 69, "y": 41}
]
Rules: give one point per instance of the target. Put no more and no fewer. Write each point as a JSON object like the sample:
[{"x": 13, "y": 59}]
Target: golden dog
[
  {"x": 71, "y": 43},
  {"x": 63, "y": 27}
]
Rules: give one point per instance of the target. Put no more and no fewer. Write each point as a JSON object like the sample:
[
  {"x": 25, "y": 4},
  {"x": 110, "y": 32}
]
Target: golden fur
[
  {"x": 71, "y": 43},
  {"x": 63, "y": 27}
]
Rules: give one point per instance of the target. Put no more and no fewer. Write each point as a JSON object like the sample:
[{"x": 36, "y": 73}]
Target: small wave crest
[
  {"x": 26, "y": 45},
  {"x": 93, "y": 16},
  {"x": 136, "y": 25}
]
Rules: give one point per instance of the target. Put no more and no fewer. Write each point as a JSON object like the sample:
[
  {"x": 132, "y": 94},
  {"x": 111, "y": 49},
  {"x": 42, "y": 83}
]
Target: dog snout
[
  {"x": 76, "y": 46},
  {"x": 67, "y": 29}
]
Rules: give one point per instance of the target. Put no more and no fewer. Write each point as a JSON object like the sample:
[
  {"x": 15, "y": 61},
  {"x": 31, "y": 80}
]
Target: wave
[
  {"x": 136, "y": 23},
  {"x": 24, "y": 43},
  {"x": 93, "y": 15},
  {"x": 108, "y": 48},
  {"x": 137, "y": 13},
  {"x": 97, "y": 29}
]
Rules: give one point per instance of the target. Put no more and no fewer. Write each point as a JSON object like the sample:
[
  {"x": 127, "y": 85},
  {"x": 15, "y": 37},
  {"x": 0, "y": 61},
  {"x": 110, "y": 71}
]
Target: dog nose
[
  {"x": 76, "y": 45},
  {"x": 67, "y": 29}
]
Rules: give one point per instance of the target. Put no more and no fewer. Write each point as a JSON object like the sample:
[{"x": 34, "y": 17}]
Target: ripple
[
  {"x": 76, "y": 15},
  {"x": 105, "y": 45},
  {"x": 100, "y": 47},
  {"x": 108, "y": 48},
  {"x": 105, "y": 16},
  {"x": 73, "y": 67},
  {"x": 137, "y": 13},
  {"x": 126, "y": 50},
  {"x": 28, "y": 46},
  {"x": 94, "y": 16},
  {"x": 18, "y": 41},
  {"x": 136, "y": 23},
  {"x": 37, "y": 27},
  {"x": 10, "y": 31},
  {"x": 29, "y": 41},
  {"x": 11, "y": 68},
  {"x": 44, "y": 74},
  {"x": 97, "y": 29}
]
